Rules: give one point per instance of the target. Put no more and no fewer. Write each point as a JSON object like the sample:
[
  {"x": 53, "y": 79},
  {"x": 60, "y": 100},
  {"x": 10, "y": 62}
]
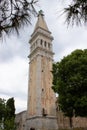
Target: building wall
[
  {"x": 20, "y": 120},
  {"x": 63, "y": 122}
]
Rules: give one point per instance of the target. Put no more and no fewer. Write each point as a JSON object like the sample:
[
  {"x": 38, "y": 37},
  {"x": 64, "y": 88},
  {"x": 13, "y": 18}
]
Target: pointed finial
[{"x": 41, "y": 13}]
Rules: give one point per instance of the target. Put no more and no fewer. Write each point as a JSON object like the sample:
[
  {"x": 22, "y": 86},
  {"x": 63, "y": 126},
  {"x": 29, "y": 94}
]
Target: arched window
[
  {"x": 45, "y": 43},
  {"x": 36, "y": 42},
  {"x": 44, "y": 112},
  {"x": 32, "y": 128},
  {"x": 41, "y": 42},
  {"x": 49, "y": 45}
]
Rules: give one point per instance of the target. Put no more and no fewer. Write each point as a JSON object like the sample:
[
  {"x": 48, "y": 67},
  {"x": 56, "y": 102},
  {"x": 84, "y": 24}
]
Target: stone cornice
[
  {"x": 40, "y": 116},
  {"x": 42, "y": 32},
  {"x": 41, "y": 29},
  {"x": 42, "y": 52}
]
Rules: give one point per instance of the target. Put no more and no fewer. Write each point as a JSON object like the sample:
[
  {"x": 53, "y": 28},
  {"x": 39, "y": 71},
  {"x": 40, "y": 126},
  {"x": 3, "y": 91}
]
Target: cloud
[
  {"x": 15, "y": 49},
  {"x": 20, "y": 103},
  {"x": 14, "y": 79},
  {"x": 13, "y": 46},
  {"x": 67, "y": 40}
]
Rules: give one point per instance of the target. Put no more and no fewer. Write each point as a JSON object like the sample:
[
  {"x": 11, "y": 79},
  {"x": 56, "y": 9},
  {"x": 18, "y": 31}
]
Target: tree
[
  {"x": 9, "y": 124},
  {"x": 14, "y": 14},
  {"x": 70, "y": 82},
  {"x": 10, "y": 107},
  {"x": 7, "y": 114},
  {"x": 76, "y": 12},
  {"x": 2, "y": 108}
]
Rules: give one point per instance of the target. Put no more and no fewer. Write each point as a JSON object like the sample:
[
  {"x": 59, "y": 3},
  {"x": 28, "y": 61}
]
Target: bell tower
[{"x": 41, "y": 109}]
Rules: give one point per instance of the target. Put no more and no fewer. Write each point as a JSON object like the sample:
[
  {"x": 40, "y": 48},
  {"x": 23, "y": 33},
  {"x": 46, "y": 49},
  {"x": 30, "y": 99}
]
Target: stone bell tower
[{"x": 41, "y": 109}]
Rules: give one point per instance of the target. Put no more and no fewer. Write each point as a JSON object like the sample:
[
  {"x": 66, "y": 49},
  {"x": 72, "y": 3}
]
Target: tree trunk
[{"x": 71, "y": 123}]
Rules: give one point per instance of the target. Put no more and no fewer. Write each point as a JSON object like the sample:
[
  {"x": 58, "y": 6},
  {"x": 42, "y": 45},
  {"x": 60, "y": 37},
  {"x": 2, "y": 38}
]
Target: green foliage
[
  {"x": 10, "y": 108},
  {"x": 76, "y": 12},
  {"x": 14, "y": 14},
  {"x": 9, "y": 124},
  {"x": 2, "y": 108},
  {"x": 75, "y": 129},
  {"x": 7, "y": 114},
  {"x": 70, "y": 82}
]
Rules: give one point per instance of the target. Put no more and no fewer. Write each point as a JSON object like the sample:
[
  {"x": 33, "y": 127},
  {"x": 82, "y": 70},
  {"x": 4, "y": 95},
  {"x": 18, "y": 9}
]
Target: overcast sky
[{"x": 15, "y": 49}]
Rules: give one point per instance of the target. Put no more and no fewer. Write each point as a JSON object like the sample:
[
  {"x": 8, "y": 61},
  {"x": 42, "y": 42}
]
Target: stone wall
[
  {"x": 20, "y": 120},
  {"x": 63, "y": 122}
]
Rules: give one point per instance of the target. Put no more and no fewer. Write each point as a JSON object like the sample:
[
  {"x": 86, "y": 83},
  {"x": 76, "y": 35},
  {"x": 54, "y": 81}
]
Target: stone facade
[
  {"x": 41, "y": 110},
  {"x": 77, "y": 122},
  {"x": 62, "y": 121},
  {"x": 20, "y": 120},
  {"x": 42, "y": 123}
]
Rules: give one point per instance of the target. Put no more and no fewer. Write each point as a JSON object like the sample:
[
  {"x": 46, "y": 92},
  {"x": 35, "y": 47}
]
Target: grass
[{"x": 74, "y": 129}]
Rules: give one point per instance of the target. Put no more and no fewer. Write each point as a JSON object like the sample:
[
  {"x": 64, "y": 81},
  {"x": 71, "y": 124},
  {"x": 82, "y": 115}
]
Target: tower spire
[{"x": 41, "y": 22}]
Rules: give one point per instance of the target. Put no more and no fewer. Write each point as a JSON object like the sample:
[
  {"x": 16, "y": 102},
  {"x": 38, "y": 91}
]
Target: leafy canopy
[
  {"x": 14, "y": 14},
  {"x": 7, "y": 114},
  {"x": 76, "y": 12},
  {"x": 70, "y": 82}
]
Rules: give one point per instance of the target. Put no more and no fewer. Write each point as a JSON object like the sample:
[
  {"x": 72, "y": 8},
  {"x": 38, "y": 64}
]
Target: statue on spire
[{"x": 41, "y": 13}]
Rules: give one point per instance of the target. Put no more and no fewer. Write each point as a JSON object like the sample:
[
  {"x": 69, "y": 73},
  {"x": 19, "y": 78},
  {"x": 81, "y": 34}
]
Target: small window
[
  {"x": 41, "y": 42},
  {"x": 32, "y": 128},
  {"x": 45, "y": 43},
  {"x": 44, "y": 113},
  {"x": 36, "y": 42},
  {"x": 23, "y": 125},
  {"x": 48, "y": 45},
  {"x": 42, "y": 89}
]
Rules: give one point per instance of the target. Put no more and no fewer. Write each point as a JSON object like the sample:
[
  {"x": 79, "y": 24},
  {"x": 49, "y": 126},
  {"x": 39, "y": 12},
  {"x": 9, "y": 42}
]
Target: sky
[{"x": 14, "y": 50}]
